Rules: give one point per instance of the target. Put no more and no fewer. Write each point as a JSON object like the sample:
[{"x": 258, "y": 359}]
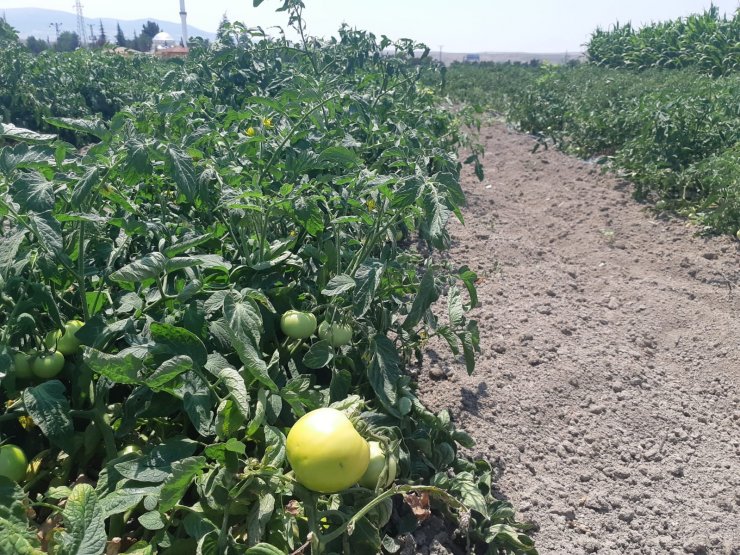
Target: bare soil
[{"x": 608, "y": 388}]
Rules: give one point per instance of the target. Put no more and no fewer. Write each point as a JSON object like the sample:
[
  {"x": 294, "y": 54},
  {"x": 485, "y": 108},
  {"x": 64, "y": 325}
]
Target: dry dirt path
[{"x": 608, "y": 389}]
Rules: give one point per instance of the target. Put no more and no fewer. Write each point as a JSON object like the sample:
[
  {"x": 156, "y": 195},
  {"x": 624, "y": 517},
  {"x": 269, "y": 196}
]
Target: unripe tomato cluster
[{"x": 47, "y": 364}]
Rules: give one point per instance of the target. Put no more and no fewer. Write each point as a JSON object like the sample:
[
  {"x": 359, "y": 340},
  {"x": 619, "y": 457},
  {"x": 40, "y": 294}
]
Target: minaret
[{"x": 184, "y": 18}]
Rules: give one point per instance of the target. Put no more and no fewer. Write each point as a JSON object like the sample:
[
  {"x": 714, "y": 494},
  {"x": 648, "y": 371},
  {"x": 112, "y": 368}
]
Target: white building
[{"x": 162, "y": 41}]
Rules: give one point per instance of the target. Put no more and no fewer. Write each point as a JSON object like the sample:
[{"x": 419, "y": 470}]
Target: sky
[{"x": 456, "y": 25}]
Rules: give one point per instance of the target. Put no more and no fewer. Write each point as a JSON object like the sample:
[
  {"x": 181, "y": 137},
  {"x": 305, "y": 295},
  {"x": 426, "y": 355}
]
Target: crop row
[
  {"x": 707, "y": 42},
  {"x": 161, "y": 363},
  {"x": 674, "y": 133}
]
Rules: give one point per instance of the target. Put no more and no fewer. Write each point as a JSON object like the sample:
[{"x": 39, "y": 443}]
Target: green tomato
[
  {"x": 13, "y": 462},
  {"x": 298, "y": 325},
  {"x": 65, "y": 342},
  {"x": 660, "y": 205},
  {"x": 374, "y": 476},
  {"x": 47, "y": 365},
  {"x": 22, "y": 366},
  {"x": 336, "y": 334},
  {"x": 738, "y": 234}
]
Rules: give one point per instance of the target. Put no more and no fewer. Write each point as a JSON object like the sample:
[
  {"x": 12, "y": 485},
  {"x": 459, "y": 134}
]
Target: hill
[{"x": 36, "y": 22}]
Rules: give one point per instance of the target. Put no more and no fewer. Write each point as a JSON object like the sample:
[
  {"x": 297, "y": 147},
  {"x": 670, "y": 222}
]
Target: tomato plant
[
  {"x": 13, "y": 462},
  {"x": 184, "y": 243}
]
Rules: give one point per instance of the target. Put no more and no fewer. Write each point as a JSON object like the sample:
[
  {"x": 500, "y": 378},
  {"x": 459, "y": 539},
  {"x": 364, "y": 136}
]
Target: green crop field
[
  {"x": 173, "y": 233},
  {"x": 671, "y": 129}
]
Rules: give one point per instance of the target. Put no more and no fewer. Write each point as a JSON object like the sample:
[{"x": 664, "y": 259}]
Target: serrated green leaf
[
  {"x": 117, "y": 368},
  {"x": 175, "y": 341},
  {"x": 84, "y": 527},
  {"x": 84, "y": 187},
  {"x": 424, "y": 299},
  {"x": 384, "y": 372},
  {"x": 168, "y": 371},
  {"x": 175, "y": 486},
  {"x": 237, "y": 389},
  {"x": 275, "y": 447},
  {"x": 48, "y": 406},
  {"x": 319, "y": 355},
  {"x": 368, "y": 278},
  {"x": 338, "y": 285},
  {"x": 147, "y": 267},
  {"x": 180, "y": 167}
]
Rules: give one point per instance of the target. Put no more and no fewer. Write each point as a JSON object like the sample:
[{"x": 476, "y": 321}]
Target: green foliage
[
  {"x": 705, "y": 41},
  {"x": 67, "y": 41},
  {"x": 73, "y": 85},
  {"x": 8, "y": 34},
  {"x": 36, "y": 46},
  {"x": 675, "y": 134},
  {"x": 212, "y": 196}
]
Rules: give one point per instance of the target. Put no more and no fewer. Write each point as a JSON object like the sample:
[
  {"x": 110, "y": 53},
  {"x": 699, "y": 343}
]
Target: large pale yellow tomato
[{"x": 326, "y": 452}]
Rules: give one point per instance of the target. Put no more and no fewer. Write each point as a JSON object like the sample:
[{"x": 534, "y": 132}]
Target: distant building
[
  {"x": 163, "y": 40},
  {"x": 164, "y": 45},
  {"x": 173, "y": 52},
  {"x": 471, "y": 58}
]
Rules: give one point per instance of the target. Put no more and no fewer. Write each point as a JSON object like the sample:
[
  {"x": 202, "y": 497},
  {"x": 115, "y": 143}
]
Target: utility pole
[
  {"x": 92, "y": 33},
  {"x": 80, "y": 23},
  {"x": 440, "y": 52},
  {"x": 56, "y": 28}
]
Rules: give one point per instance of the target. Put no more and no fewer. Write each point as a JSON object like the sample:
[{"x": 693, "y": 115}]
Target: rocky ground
[{"x": 608, "y": 388}]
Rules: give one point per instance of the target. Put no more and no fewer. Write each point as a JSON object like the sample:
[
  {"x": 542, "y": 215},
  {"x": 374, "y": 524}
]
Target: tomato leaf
[
  {"x": 175, "y": 340},
  {"x": 274, "y": 447},
  {"x": 368, "y": 280},
  {"x": 338, "y": 285},
  {"x": 383, "y": 372},
  {"x": 168, "y": 371},
  {"x": 175, "y": 486},
  {"x": 237, "y": 389},
  {"x": 17, "y": 537},
  {"x": 319, "y": 355},
  {"x": 84, "y": 530},
  {"x": 117, "y": 368},
  {"x": 425, "y": 297},
  {"x": 48, "y": 406},
  {"x": 147, "y": 267}
]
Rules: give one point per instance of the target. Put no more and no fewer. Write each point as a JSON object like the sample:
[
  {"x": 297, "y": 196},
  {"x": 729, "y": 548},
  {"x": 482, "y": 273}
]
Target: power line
[
  {"x": 80, "y": 23},
  {"x": 56, "y": 28}
]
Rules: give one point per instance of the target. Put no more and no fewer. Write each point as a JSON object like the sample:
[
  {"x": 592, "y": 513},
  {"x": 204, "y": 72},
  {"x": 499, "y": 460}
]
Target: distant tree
[
  {"x": 120, "y": 37},
  {"x": 144, "y": 40},
  {"x": 67, "y": 42},
  {"x": 7, "y": 33},
  {"x": 133, "y": 43},
  {"x": 102, "y": 38},
  {"x": 223, "y": 26},
  {"x": 222, "y": 33},
  {"x": 150, "y": 28},
  {"x": 36, "y": 45}
]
